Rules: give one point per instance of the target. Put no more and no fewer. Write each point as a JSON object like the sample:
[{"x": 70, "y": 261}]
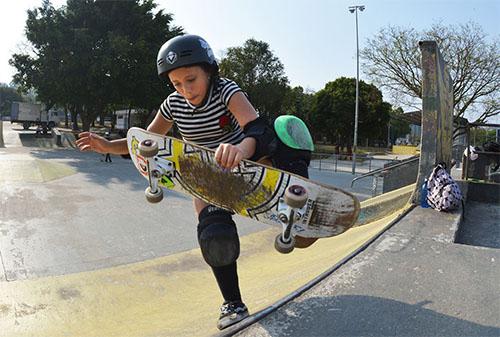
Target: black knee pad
[
  {"x": 218, "y": 237},
  {"x": 292, "y": 160},
  {"x": 298, "y": 167}
]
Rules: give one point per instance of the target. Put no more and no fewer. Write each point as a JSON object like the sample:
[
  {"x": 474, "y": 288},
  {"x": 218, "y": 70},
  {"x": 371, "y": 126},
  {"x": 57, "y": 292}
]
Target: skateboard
[{"x": 301, "y": 207}]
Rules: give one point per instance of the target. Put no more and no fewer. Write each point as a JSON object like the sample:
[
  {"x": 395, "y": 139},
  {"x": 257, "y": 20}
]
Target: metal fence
[
  {"x": 486, "y": 165},
  {"x": 343, "y": 163}
]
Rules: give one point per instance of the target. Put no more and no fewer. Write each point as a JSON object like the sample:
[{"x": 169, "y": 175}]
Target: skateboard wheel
[
  {"x": 154, "y": 197},
  {"x": 295, "y": 196},
  {"x": 284, "y": 247},
  {"x": 148, "y": 148}
]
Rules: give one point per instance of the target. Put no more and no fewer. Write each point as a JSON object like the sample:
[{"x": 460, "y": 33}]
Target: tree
[
  {"x": 298, "y": 103},
  {"x": 333, "y": 112},
  {"x": 399, "y": 127},
  {"x": 392, "y": 61},
  {"x": 83, "y": 57},
  {"x": 259, "y": 73},
  {"x": 7, "y": 96}
]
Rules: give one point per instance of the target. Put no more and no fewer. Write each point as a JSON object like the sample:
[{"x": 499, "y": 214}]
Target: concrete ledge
[
  {"x": 481, "y": 192},
  {"x": 479, "y": 225},
  {"x": 63, "y": 138},
  {"x": 56, "y": 135}
]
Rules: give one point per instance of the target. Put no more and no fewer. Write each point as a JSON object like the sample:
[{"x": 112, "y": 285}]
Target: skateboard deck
[{"x": 252, "y": 190}]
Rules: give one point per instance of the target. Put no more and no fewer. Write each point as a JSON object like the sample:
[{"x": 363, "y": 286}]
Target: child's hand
[
  {"x": 88, "y": 141},
  {"x": 228, "y": 156}
]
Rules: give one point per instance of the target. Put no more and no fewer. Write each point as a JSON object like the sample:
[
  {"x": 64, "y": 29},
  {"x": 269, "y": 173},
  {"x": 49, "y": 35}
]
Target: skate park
[{"x": 83, "y": 254}]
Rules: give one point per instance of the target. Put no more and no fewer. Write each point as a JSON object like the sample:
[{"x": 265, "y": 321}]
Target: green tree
[
  {"x": 399, "y": 127},
  {"x": 259, "y": 73},
  {"x": 7, "y": 96},
  {"x": 392, "y": 61},
  {"x": 91, "y": 54},
  {"x": 333, "y": 113},
  {"x": 299, "y": 103}
]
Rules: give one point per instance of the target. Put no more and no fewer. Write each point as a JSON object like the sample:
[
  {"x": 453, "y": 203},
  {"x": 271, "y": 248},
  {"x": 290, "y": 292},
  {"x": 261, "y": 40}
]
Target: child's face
[{"x": 191, "y": 82}]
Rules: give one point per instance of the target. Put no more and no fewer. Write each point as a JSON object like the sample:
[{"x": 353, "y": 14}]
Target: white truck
[
  {"x": 122, "y": 119},
  {"x": 30, "y": 114}
]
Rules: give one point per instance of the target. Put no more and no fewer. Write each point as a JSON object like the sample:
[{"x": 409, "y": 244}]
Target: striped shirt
[{"x": 210, "y": 124}]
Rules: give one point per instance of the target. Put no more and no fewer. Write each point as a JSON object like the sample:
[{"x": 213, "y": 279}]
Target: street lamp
[{"x": 354, "y": 9}]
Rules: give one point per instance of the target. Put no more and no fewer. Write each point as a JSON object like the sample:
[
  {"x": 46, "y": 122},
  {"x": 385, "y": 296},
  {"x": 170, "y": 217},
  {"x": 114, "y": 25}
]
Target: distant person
[{"x": 107, "y": 158}]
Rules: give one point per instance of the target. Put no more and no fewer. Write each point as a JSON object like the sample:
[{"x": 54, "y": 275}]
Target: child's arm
[{"x": 88, "y": 141}]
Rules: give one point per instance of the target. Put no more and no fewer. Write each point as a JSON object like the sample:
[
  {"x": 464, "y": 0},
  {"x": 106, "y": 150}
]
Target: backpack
[{"x": 443, "y": 193}]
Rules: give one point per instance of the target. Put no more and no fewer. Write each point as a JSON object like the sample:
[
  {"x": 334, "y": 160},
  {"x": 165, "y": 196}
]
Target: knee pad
[
  {"x": 218, "y": 237},
  {"x": 298, "y": 167},
  {"x": 292, "y": 160}
]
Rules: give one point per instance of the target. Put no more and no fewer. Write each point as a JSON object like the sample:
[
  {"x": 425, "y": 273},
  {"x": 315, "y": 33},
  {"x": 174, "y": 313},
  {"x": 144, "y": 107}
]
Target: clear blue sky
[{"x": 315, "y": 39}]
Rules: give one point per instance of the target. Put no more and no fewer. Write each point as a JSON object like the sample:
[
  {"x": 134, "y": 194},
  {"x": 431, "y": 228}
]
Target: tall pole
[{"x": 354, "y": 9}]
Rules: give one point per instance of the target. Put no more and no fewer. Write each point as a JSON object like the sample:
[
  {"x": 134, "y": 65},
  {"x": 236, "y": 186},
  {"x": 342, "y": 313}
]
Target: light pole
[{"x": 354, "y": 9}]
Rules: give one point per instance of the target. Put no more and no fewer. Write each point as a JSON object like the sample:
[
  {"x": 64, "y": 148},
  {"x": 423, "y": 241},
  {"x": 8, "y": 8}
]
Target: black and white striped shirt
[{"x": 210, "y": 124}]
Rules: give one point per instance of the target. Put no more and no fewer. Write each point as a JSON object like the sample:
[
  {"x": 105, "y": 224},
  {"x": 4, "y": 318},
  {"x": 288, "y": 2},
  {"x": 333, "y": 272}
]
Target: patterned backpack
[{"x": 443, "y": 193}]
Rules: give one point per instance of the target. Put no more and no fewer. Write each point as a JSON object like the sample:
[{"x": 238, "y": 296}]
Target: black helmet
[{"x": 185, "y": 50}]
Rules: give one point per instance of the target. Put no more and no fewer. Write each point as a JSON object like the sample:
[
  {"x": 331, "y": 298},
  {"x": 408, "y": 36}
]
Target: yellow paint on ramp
[
  {"x": 170, "y": 296},
  {"x": 24, "y": 168}
]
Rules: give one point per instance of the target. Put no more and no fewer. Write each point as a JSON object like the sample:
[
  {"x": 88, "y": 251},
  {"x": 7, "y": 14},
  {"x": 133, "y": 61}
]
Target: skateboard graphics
[{"x": 302, "y": 207}]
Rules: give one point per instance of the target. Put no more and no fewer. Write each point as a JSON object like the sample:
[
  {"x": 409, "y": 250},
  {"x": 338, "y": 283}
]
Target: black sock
[{"x": 227, "y": 279}]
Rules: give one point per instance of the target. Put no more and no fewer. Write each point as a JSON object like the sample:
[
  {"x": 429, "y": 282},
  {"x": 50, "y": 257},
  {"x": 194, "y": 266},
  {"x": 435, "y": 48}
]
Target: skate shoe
[{"x": 231, "y": 313}]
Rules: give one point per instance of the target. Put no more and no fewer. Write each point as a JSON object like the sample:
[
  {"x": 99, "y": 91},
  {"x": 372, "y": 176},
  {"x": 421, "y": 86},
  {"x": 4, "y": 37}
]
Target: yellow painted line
[
  {"x": 389, "y": 196},
  {"x": 383, "y": 205},
  {"x": 169, "y": 296},
  {"x": 51, "y": 170}
]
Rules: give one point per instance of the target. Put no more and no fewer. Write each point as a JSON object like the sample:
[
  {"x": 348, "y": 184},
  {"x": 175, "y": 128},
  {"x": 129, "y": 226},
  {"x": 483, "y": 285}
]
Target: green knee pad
[{"x": 293, "y": 132}]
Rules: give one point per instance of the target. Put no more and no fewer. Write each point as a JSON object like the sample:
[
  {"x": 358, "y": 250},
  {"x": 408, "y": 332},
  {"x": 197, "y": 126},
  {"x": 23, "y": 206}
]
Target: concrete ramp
[{"x": 170, "y": 296}]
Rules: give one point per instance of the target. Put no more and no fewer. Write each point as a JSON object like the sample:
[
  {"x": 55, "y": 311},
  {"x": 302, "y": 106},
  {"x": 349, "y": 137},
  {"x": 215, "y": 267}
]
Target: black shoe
[{"x": 231, "y": 313}]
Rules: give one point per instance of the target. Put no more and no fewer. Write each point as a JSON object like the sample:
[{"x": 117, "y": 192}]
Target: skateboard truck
[
  {"x": 288, "y": 212},
  {"x": 148, "y": 149}
]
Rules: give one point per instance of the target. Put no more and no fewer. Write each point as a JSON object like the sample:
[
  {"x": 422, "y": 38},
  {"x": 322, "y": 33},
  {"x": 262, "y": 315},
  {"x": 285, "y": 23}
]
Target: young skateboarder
[{"x": 213, "y": 112}]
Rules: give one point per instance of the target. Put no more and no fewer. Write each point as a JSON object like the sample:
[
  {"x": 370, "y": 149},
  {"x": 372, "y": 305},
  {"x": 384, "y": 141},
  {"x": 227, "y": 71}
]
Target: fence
[
  {"x": 486, "y": 166},
  {"x": 343, "y": 163}
]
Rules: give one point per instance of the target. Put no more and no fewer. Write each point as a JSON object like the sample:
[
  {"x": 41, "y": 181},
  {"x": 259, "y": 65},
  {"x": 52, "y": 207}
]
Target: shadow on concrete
[{"x": 354, "y": 315}]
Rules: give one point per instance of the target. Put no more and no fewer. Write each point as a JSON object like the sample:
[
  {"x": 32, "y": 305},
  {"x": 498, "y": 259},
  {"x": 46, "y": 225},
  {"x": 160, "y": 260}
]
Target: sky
[{"x": 314, "y": 39}]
